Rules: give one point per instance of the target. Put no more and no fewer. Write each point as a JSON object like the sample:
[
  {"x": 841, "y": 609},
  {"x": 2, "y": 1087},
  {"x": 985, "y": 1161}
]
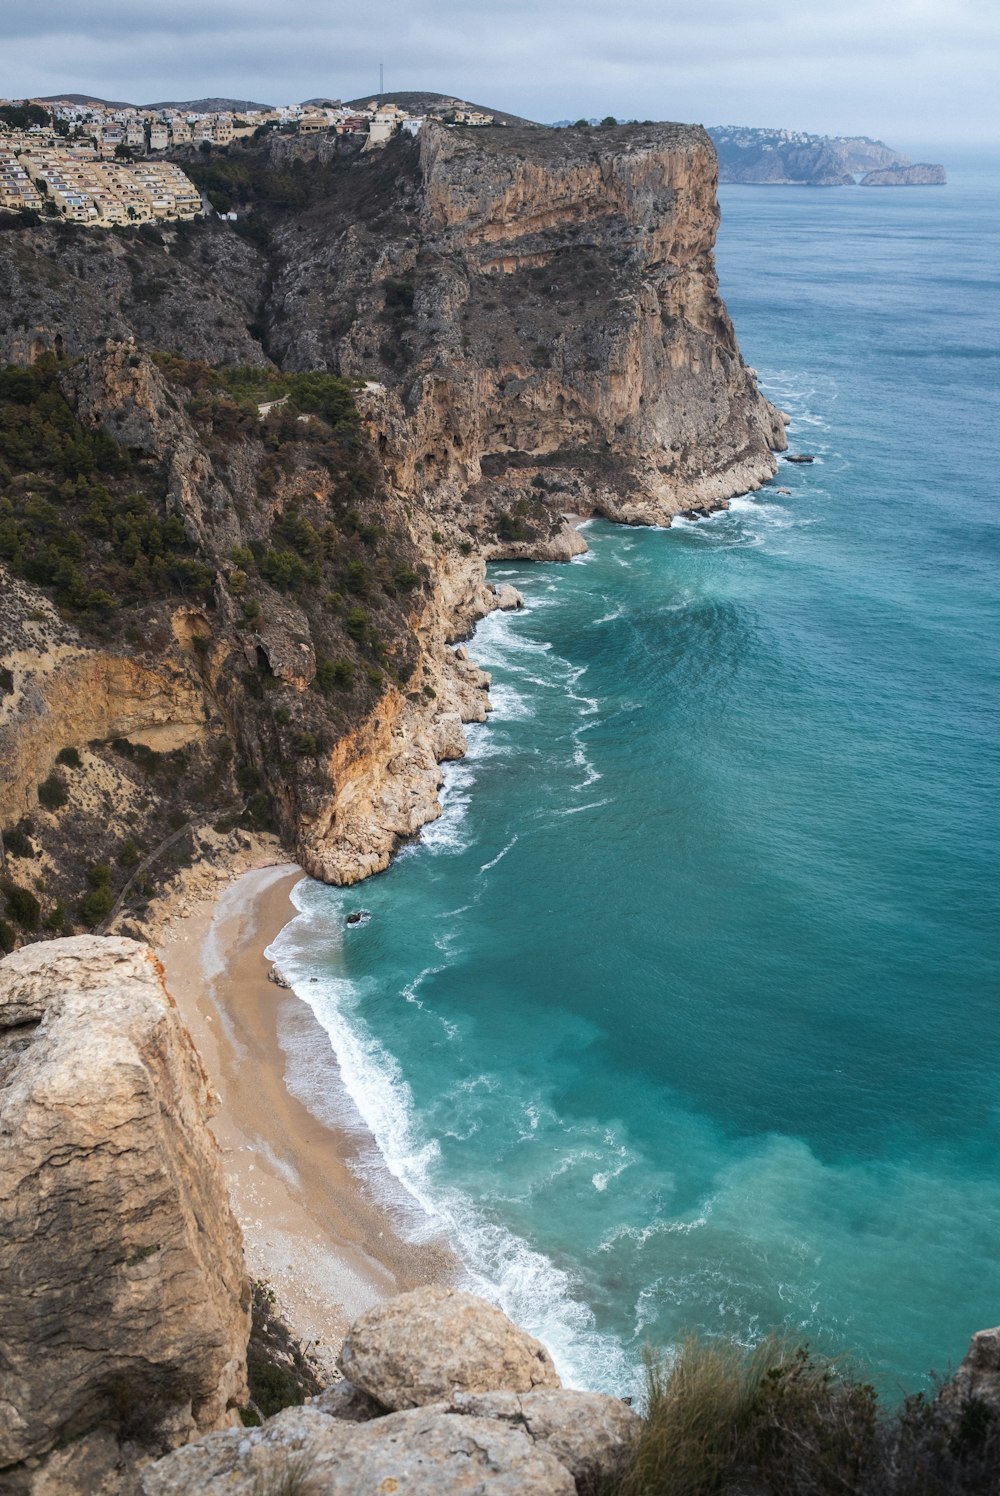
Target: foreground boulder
[
  {"x": 425, "y": 1346},
  {"x": 422, "y": 1452},
  {"x": 124, "y": 1300},
  {"x": 543, "y": 1442},
  {"x": 587, "y": 1432}
]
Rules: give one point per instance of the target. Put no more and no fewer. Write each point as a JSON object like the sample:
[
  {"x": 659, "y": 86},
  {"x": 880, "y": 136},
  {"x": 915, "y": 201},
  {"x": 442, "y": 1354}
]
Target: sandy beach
[{"x": 312, "y": 1230}]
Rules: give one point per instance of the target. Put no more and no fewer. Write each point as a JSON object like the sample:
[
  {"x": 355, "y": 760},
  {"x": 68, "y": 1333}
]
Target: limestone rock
[
  {"x": 123, "y": 1295},
  {"x": 587, "y": 1432},
  {"x": 978, "y": 1375},
  {"x": 286, "y": 643},
  {"x": 345, "y": 1401},
  {"x": 419, "y": 1452},
  {"x": 423, "y": 1347},
  {"x": 913, "y": 174},
  {"x": 508, "y": 598}
]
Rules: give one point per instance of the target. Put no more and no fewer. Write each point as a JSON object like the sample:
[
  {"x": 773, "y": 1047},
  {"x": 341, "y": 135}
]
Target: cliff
[
  {"x": 547, "y": 325},
  {"x": 124, "y": 1301},
  {"x": 452, "y": 344}
]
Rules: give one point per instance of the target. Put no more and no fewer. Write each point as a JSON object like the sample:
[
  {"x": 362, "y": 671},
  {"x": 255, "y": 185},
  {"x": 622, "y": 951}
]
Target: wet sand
[{"x": 317, "y": 1234}]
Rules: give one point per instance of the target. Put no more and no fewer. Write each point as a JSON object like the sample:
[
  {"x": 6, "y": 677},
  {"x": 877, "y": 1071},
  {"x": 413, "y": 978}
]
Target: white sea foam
[
  {"x": 575, "y": 810},
  {"x": 501, "y": 854},
  {"x": 499, "y": 1264},
  {"x": 412, "y": 988},
  {"x": 448, "y": 833},
  {"x": 591, "y": 775}
]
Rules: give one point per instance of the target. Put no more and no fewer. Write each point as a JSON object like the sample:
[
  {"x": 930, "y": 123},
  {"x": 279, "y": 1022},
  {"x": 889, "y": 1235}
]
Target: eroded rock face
[
  {"x": 123, "y": 1294},
  {"x": 978, "y": 1375},
  {"x": 560, "y": 339},
  {"x": 589, "y": 1433},
  {"x": 422, "y": 1452},
  {"x": 428, "y": 1345}
]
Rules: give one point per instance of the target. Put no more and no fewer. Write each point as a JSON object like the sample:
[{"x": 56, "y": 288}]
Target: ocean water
[{"x": 685, "y": 1014}]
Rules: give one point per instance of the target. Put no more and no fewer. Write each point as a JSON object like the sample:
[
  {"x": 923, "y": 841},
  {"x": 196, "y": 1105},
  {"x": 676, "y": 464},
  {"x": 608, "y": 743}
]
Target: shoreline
[{"x": 312, "y": 1229}]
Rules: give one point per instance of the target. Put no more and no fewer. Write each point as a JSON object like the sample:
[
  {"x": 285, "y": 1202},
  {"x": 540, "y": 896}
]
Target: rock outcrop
[
  {"x": 549, "y": 334},
  {"x": 415, "y": 1429},
  {"x": 978, "y": 1376},
  {"x": 124, "y": 1300},
  {"x": 917, "y": 174},
  {"x": 423, "y": 1452},
  {"x": 434, "y": 1343}
]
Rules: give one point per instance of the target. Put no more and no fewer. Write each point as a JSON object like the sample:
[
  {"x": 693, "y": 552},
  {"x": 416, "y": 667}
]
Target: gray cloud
[{"x": 924, "y": 68}]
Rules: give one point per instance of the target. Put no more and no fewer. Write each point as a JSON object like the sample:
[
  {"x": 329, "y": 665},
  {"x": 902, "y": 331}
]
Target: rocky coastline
[{"x": 243, "y": 637}]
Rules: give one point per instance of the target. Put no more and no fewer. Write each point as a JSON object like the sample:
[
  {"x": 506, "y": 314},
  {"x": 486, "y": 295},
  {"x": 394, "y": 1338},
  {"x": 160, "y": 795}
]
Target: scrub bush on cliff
[
  {"x": 782, "y": 1421},
  {"x": 70, "y": 527}
]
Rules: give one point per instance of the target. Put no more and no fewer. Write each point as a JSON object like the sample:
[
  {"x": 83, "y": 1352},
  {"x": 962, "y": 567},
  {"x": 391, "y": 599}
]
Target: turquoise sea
[{"x": 685, "y": 1014}]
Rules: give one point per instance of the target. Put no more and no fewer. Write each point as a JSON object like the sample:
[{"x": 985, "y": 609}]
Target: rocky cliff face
[
  {"x": 124, "y": 1299},
  {"x": 537, "y": 323},
  {"x": 547, "y": 324}
]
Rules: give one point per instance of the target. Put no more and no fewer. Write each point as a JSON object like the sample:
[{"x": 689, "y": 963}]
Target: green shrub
[
  {"x": 6, "y": 680},
  {"x": 52, "y": 792},
  {"x": 357, "y": 578},
  {"x": 307, "y": 745},
  {"x": 97, "y": 905},
  {"x": 55, "y": 920},
  {"x": 356, "y": 625},
  {"x": 129, "y": 853},
  {"x": 781, "y": 1421},
  {"x": 17, "y": 840},
  {"x": 70, "y": 757},
  {"x": 22, "y": 906},
  {"x": 7, "y": 937},
  {"x": 334, "y": 675}
]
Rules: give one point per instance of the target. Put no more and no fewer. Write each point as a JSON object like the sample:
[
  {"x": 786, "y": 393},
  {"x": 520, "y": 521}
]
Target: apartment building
[{"x": 103, "y": 193}]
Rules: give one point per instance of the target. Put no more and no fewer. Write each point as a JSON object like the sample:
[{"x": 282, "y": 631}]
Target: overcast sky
[{"x": 909, "y": 71}]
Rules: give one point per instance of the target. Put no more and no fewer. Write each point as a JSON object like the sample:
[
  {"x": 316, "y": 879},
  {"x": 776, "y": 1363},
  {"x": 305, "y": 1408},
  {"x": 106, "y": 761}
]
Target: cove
[{"x": 684, "y": 1013}]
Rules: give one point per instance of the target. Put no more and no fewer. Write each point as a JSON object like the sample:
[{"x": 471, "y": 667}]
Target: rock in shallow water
[{"x": 425, "y": 1346}]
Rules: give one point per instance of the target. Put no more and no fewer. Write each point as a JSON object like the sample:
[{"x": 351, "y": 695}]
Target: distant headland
[{"x": 792, "y": 158}]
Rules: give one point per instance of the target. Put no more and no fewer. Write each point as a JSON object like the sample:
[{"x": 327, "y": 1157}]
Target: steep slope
[
  {"x": 532, "y": 324},
  {"x": 543, "y": 307}
]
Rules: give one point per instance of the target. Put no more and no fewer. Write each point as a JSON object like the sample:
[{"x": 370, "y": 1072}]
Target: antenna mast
[{"x": 381, "y": 79}]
